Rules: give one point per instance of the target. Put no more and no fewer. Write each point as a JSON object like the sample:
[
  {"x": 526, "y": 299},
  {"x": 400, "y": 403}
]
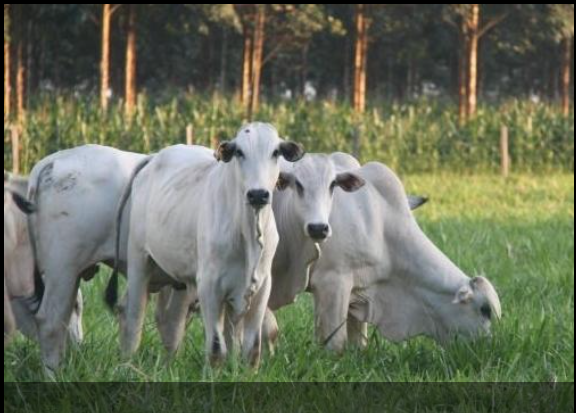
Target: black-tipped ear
[
  {"x": 292, "y": 151},
  {"x": 416, "y": 201},
  {"x": 349, "y": 182},
  {"x": 225, "y": 151},
  {"x": 284, "y": 181}
]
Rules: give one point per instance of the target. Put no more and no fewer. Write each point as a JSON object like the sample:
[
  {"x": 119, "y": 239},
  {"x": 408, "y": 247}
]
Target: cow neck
[
  {"x": 427, "y": 268},
  {"x": 251, "y": 226}
]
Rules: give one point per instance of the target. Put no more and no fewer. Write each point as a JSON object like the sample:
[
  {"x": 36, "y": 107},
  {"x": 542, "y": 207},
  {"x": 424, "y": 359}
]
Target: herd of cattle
[{"x": 233, "y": 235}]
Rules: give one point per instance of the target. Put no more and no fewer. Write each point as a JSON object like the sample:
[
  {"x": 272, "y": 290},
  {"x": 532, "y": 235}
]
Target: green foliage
[{"x": 416, "y": 137}]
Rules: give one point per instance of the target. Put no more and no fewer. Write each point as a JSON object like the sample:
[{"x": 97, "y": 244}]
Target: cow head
[
  {"x": 314, "y": 181},
  {"x": 254, "y": 154},
  {"x": 419, "y": 290}
]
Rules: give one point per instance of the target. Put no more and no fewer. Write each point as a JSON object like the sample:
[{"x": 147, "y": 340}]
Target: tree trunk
[
  {"x": 567, "y": 47},
  {"x": 20, "y": 68},
  {"x": 105, "y": 62},
  {"x": 131, "y": 91},
  {"x": 247, "y": 68},
  {"x": 257, "y": 60},
  {"x": 7, "y": 77},
  {"x": 473, "y": 36},
  {"x": 360, "y": 58},
  {"x": 463, "y": 74}
]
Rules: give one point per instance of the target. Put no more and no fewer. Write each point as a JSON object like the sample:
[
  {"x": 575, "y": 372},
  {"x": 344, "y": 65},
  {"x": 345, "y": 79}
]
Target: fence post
[
  {"x": 504, "y": 152},
  {"x": 189, "y": 135}
]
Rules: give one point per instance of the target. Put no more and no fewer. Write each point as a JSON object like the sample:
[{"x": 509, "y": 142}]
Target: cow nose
[
  {"x": 318, "y": 231},
  {"x": 258, "y": 197}
]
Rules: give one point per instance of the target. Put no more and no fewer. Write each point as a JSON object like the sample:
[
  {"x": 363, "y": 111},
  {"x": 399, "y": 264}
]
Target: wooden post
[
  {"x": 189, "y": 135},
  {"x": 504, "y": 152},
  {"x": 15, "y": 136}
]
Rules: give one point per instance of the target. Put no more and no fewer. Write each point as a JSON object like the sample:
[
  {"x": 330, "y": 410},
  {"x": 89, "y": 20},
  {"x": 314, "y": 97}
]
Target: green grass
[{"x": 519, "y": 232}]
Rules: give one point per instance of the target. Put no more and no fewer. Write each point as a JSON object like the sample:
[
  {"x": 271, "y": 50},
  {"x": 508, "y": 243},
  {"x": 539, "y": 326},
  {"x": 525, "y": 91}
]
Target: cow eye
[
  {"x": 486, "y": 311},
  {"x": 333, "y": 186},
  {"x": 276, "y": 154},
  {"x": 239, "y": 153},
  {"x": 299, "y": 188}
]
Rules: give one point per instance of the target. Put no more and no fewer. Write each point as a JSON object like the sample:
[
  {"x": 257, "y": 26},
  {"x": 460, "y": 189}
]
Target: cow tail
[
  {"x": 34, "y": 198},
  {"x": 111, "y": 294}
]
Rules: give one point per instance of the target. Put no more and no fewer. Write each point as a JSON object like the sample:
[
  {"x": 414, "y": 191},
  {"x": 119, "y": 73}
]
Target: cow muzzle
[
  {"x": 319, "y": 231},
  {"x": 258, "y": 198}
]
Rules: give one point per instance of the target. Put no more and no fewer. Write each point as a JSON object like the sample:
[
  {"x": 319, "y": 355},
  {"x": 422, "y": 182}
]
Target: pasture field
[{"x": 519, "y": 232}]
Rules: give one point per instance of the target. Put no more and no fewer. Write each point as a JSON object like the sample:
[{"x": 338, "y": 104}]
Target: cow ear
[
  {"x": 284, "y": 181},
  {"x": 464, "y": 295},
  {"x": 416, "y": 201},
  {"x": 225, "y": 151},
  {"x": 292, "y": 151},
  {"x": 349, "y": 182}
]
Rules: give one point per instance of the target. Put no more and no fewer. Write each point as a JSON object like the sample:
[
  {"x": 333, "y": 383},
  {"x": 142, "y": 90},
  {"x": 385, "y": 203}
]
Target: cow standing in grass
[
  {"x": 19, "y": 267},
  {"x": 365, "y": 259},
  {"x": 76, "y": 193},
  {"x": 208, "y": 222}
]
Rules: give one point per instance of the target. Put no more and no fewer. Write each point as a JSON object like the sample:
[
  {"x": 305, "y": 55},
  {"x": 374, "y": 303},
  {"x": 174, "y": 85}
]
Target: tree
[
  {"x": 7, "y": 80},
  {"x": 468, "y": 19},
  {"x": 107, "y": 11},
  {"x": 20, "y": 63},
  {"x": 562, "y": 19},
  {"x": 281, "y": 28},
  {"x": 361, "y": 25},
  {"x": 131, "y": 91}
]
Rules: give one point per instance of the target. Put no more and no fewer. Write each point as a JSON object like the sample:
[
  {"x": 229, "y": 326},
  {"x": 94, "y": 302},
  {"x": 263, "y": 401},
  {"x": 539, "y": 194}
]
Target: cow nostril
[
  {"x": 318, "y": 231},
  {"x": 258, "y": 197}
]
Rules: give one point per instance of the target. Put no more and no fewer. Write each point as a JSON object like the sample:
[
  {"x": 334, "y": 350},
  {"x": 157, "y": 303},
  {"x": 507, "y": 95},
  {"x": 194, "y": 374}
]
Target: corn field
[{"x": 422, "y": 136}]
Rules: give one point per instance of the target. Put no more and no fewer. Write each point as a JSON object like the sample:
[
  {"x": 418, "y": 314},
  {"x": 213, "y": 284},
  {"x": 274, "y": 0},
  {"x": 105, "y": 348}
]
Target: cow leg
[
  {"x": 132, "y": 316},
  {"x": 54, "y": 315},
  {"x": 172, "y": 315},
  {"x": 331, "y": 301},
  {"x": 212, "y": 307},
  {"x": 75, "y": 329},
  {"x": 270, "y": 331},
  {"x": 357, "y": 333},
  {"x": 253, "y": 320},
  {"x": 233, "y": 331}
]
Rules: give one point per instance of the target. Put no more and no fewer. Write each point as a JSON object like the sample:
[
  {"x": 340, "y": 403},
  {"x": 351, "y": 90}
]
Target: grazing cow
[
  {"x": 19, "y": 266},
  {"x": 208, "y": 223},
  {"x": 76, "y": 193},
  {"x": 369, "y": 261}
]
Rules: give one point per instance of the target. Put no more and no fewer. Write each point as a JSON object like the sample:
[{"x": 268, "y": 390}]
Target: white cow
[
  {"x": 19, "y": 266},
  {"x": 376, "y": 265},
  {"x": 290, "y": 269},
  {"x": 76, "y": 193},
  {"x": 208, "y": 222}
]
